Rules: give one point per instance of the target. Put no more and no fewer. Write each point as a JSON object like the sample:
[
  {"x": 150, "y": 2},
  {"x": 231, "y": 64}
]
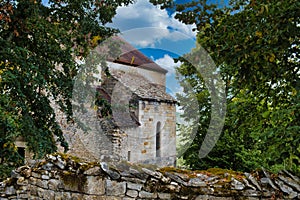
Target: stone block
[
  {"x": 49, "y": 194},
  {"x": 76, "y": 196},
  {"x": 10, "y": 190},
  {"x": 54, "y": 184},
  {"x": 40, "y": 193},
  {"x": 95, "y": 185},
  {"x": 132, "y": 193},
  {"x": 109, "y": 198},
  {"x": 90, "y": 197},
  {"x": 94, "y": 171},
  {"x": 134, "y": 180},
  {"x": 147, "y": 195},
  {"x": 209, "y": 197},
  {"x": 134, "y": 186},
  {"x": 251, "y": 193},
  {"x": 22, "y": 181},
  {"x": 164, "y": 195},
  {"x": 45, "y": 177},
  {"x": 114, "y": 188},
  {"x": 35, "y": 175}
]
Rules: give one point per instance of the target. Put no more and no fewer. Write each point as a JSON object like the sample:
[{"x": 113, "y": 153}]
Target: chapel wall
[{"x": 142, "y": 141}]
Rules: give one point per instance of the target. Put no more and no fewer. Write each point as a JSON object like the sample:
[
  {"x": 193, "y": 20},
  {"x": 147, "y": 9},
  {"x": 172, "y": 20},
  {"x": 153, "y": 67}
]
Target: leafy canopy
[
  {"x": 255, "y": 45},
  {"x": 39, "y": 43}
]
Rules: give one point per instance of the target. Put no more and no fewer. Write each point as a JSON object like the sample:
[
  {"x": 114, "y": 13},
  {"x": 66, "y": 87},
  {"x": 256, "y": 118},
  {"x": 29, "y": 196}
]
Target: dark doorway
[{"x": 21, "y": 152}]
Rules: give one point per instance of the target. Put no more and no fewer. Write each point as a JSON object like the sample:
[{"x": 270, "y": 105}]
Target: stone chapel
[
  {"x": 141, "y": 123},
  {"x": 138, "y": 121}
]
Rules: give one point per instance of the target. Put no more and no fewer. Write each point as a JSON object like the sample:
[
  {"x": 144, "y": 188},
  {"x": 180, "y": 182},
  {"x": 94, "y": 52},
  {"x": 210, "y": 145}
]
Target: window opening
[{"x": 158, "y": 139}]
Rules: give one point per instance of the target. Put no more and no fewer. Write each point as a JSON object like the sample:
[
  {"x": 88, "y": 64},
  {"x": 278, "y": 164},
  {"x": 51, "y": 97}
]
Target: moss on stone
[
  {"x": 189, "y": 173},
  {"x": 226, "y": 173},
  {"x": 174, "y": 169},
  {"x": 86, "y": 166},
  {"x": 66, "y": 157}
]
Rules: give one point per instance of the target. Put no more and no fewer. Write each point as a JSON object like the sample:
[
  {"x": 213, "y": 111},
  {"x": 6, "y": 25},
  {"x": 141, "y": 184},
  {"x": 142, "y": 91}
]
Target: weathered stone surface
[
  {"x": 237, "y": 185},
  {"x": 286, "y": 189},
  {"x": 42, "y": 183},
  {"x": 22, "y": 181},
  {"x": 176, "y": 178},
  {"x": 95, "y": 185},
  {"x": 94, "y": 171},
  {"x": 251, "y": 193},
  {"x": 26, "y": 172},
  {"x": 295, "y": 178},
  {"x": 253, "y": 180},
  {"x": 15, "y": 174},
  {"x": 114, "y": 188},
  {"x": 138, "y": 174},
  {"x": 92, "y": 182},
  {"x": 196, "y": 182},
  {"x": 269, "y": 180},
  {"x": 36, "y": 175},
  {"x": 128, "y": 198},
  {"x": 10, "y": 190},
  {"x": 164, "y": 195},
  {"x": 48, "y": 166},
  {"x": 76, "y": 196},
  {"x": 248, "y": 184},
  {"x": 59, "y": 162},
  {"x": 134, "y": 180},
  {"x": 173, "y": 187},
  {"x": 45, "y": 177},
  {"x": 54, "y": 184},
  {"x": 290, "y": 182},
  {"x": 208, "y": 197},
  {"x": 112, "y": 174},
  {"x": 134, "y": 186},
  {"x": 132, "y": 193},
  {"x": 147, "y": 195}
]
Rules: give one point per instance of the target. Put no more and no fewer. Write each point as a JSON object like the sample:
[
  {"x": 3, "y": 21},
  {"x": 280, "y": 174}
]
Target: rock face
[{"x": 60, "y": 176}]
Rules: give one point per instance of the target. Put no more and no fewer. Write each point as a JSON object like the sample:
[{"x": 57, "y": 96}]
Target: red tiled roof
[{"x": 131, "y": 56}]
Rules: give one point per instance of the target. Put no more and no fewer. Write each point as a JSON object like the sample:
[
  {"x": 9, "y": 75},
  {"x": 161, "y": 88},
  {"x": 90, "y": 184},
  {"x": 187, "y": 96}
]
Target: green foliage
[
  {"x": 39, "y": 43},
  {"x": 255, "y": 45}
]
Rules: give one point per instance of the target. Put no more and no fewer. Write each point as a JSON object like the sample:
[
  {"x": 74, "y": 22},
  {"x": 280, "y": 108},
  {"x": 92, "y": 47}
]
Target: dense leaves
[
  {"x": 39, "y": 43},
  {"x": 255, "y": 45}
]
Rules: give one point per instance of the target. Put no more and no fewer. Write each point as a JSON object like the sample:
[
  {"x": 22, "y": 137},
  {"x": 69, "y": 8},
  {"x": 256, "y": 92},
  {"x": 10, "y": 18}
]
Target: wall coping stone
[{"x": 61, "y": 176}]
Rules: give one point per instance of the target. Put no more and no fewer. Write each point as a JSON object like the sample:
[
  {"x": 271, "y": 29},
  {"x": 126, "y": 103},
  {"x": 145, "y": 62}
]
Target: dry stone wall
[{"x": 60, "y": 176}]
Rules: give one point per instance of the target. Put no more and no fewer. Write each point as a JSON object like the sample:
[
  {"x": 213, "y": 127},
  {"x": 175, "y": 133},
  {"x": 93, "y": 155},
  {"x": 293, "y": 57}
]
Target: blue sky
[{"x": 157, "y": 34}]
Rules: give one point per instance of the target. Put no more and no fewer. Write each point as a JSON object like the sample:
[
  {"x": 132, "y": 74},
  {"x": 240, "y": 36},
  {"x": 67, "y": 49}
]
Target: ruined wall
[
  {"x": 62, "y": 177},
  {"x": 99, "y": 141}
]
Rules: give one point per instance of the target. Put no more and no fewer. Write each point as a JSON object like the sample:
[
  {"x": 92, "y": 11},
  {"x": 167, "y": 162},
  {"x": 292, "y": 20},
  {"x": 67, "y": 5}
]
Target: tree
[
  {"x": 255, "y": 45},
  {"x": 39, "y": 43}
]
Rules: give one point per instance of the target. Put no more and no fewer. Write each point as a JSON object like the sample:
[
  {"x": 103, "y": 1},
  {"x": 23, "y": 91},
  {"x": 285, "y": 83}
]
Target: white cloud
[
  {"x": 167, "y": 62},
  {"x": 143, "y": 24}
]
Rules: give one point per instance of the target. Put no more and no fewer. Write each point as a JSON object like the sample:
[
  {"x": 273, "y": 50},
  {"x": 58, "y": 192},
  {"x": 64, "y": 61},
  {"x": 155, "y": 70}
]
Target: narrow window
[
  {"x": 128, "y": 155},
  {"x": 158, "y": 132},
  {"x": 143, "y": 105}
]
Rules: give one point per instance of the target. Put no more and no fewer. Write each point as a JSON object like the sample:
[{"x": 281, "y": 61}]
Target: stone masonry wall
[
  {"x": 153, "y": 76},
  {"x": 150, "y": 114},
  {"x": 60, "y": 176}
]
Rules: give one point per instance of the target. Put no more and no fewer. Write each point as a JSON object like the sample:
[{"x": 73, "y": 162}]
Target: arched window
[{"x": 158, "y": 139}]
